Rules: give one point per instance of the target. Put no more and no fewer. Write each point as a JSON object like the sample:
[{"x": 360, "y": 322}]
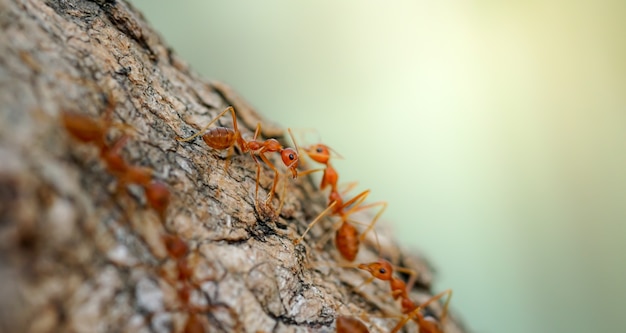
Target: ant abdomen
[
  {"x": 347, "y": 241},
  {"x": 83, "y": 128},
  {"x": 219, "y": 138},
  {"x": 347, "y": 324}
]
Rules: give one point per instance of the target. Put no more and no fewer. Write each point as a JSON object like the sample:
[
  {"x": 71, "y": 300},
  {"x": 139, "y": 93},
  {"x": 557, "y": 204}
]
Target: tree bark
[{"x": 78, "y": 254}]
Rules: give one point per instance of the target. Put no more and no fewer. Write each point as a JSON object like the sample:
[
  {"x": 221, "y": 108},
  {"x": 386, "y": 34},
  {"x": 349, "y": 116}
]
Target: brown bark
[{"x": 78, "y": 255}]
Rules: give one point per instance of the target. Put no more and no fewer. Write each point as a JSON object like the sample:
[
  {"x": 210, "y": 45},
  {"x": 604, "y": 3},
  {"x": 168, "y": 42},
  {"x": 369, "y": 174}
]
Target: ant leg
[
  {"x": 444, "y": 313},
  {"x": 230, "y": 108},
  {"x": 412, "y": 276},
  {"x": 376, "y": 217},
  {"x": 258, "y": 175},
  {"x": 356, "y": 201},
  {"x": 377, "y": 241},
  {"x": 271, "y": 194},
  {"x": 336, "y": 226},
  {"x": 228, "y": 156},
  {"x": 282, "y": 196},
  {"x": 258, "y": 166},
  {"x": 349, "y": 187},
  {"x": 319, "y": 217}
]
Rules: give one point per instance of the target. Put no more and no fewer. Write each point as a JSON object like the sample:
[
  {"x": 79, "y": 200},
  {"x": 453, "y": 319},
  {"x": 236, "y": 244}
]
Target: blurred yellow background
[{"x": 496, "y": 130}]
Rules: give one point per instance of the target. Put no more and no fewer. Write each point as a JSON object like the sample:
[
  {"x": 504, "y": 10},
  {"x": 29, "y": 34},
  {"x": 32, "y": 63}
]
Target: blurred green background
[{"x": 496, "y": 130}]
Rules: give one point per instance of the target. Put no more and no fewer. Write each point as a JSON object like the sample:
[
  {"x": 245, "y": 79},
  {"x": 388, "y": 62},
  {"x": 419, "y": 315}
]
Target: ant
[
  {"x": 185, "y": 284},
  {"x": 157, "y": 194},
  {"x": 86, "y": 129},
  {"x": 89, "y": 130},
  {"x": 426, "y": 324},
  {"x": 347, "y": 237},
  {"x": 383, "y": 270},
  {"x": 158, "y": 197},
  {"x": 221, "y": 138}
]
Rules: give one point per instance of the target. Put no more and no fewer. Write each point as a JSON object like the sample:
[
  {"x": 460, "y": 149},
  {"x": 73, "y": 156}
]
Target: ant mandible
[{"x": 221, "y": 138}]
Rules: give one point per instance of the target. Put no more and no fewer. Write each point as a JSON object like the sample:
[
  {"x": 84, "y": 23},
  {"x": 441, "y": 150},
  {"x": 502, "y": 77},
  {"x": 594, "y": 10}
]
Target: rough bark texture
[{"x": 78, "y": 255}]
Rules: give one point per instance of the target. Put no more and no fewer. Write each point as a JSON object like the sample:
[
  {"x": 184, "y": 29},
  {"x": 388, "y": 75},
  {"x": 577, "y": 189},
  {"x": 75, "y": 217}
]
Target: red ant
[
  {"x": 221, "y": 138},
  {"x": 383, "y": 270},
  {"x": 185, "y": 284},
  {"x": 158, "y": 197},
  {"x": 157, "y": 194},
  {"x": 347, "y": 236},
  {"x": 88, "y": 130}
]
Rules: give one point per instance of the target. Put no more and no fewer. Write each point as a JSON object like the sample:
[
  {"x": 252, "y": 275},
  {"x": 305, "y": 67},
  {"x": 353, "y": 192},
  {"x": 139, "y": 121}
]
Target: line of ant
[
  {"x": 95, "y": 131},
  {"x": 347, "y": 241},
  {"x": 347, "y": 237}
]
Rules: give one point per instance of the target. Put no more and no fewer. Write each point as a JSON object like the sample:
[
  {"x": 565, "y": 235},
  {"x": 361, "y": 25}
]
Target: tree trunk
[{"x": 82, "y": 251}]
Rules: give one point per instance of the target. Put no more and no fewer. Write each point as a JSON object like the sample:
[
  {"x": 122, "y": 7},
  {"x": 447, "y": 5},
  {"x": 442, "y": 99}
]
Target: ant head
[
  {"x": 290, "y": 159},
  {"x": 318, "y": 152},
  {"x": 381, "y": 269},
  {"x": 158, "y": 196},
  {"x": 176, "y": 247}
]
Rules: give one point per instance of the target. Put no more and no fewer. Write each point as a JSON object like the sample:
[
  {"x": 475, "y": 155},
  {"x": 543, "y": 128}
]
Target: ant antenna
[{"x": 294, "y": 143}]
